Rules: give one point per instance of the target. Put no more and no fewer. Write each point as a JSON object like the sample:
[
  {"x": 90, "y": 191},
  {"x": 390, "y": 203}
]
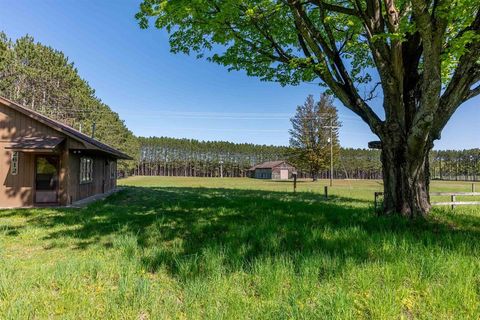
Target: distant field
[
  {"x": 208, "y": 248},
  {"x": 355, "y": 189}
]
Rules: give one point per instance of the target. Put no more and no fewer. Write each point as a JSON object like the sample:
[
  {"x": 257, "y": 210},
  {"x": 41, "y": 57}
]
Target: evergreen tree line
[
  {"x": 165, "y": 156},
  {"x": 455, "y": 165},
  {"x": 43, "y": 79}
]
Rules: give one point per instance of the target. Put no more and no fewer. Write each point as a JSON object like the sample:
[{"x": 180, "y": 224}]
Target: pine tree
[
  {"x": 313, "y": 125},
  {"x": 43, "y": 79}
]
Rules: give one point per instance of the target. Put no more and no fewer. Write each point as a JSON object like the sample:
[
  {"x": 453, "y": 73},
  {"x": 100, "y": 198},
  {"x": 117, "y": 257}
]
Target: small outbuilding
[
  {"x": 44, "y": 162},
  {"x": 277, "y": 170}
]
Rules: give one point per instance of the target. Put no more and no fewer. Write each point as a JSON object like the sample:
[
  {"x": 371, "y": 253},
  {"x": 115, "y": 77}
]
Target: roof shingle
[{"x": 267, "y": 165}]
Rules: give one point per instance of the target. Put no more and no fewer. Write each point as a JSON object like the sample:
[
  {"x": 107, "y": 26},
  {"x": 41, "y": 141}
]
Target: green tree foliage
[
  {"x": 44, "y": 80},
  {"x": 420, "y": 56},
  {"x": 313, "y": 125}
]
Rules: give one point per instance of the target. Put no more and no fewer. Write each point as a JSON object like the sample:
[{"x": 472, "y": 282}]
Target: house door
[
  {"x": 283, "y": 174},
  {"x": 46, "y": 179}
]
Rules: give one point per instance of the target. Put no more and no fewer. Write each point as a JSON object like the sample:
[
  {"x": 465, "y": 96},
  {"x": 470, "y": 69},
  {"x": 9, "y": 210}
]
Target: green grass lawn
[{"x": 196, "y": 248}]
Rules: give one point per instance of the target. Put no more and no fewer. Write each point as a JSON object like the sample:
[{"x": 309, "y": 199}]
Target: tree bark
[{"x": 406, "y": 179}]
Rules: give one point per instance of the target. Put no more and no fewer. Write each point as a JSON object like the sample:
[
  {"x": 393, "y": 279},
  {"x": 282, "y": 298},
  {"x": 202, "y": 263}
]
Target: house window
[
  {"x": 14, "y": 164},
  {"x": 86, "y": 170},
  {"x": 113, "y": 170}
]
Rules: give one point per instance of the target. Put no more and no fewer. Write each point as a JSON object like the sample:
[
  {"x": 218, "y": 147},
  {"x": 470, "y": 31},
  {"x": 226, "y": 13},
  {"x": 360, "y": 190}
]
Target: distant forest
[
  {"x": 185, "y": 157},
  {"x": 43, "y": 79}
]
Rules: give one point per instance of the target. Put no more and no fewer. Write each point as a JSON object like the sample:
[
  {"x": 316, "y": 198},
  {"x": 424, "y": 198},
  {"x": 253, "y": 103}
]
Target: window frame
[
  {"x": 113, "y": 169},
  {"x": 86, "y": 170}
]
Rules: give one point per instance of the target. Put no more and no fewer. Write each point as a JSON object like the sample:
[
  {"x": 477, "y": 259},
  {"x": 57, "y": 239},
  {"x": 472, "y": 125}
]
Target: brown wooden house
[
  {"x": 45, "y": 162},
  {"x": 277, "y": 170}
]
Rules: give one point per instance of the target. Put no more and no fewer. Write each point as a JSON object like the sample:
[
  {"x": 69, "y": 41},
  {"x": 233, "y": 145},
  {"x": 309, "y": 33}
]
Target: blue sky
[{"x": 158, "y": 93}]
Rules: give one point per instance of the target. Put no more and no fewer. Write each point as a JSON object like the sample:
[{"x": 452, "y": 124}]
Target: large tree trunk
[{"x": 406, "y": 180}]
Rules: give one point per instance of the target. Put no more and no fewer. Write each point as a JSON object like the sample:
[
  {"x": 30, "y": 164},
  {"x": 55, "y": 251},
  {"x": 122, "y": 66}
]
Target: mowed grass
[{"x": 206, "y": 248}]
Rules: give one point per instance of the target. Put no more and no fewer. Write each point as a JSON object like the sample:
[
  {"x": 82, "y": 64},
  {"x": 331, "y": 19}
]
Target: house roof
[
  {"x": 90, "y": 143},
  {"x": 31, "y": 144},
  {"x": 268, "y": 165}
]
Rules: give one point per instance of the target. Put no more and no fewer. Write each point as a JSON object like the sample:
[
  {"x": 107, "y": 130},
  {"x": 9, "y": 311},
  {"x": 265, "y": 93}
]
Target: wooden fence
[{"x": 453, "y": 198}]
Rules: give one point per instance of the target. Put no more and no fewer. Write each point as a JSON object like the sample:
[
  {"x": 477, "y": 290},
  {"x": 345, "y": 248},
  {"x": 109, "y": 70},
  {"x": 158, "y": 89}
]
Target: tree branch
[
  {"x": 459, "y": 89},
  {"x": 473, "y": 92},
  {"x": 393, "y": 18},
  {"x": 253, "y": 47},
  {"x": 345, "y": 91},
  {"x": 336, "y": 8},
  {"x": 407, "y": 8},
  {"x": 411, "y": 53},
  {"x": 388, "y": 59},
  {"x": 302, "y": 43},
  {"x": 271, "y": 40},
  {"x": 371, "y": 95}
]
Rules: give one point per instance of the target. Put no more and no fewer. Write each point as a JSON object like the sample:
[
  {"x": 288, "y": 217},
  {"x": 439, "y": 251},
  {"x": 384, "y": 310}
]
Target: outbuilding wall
[
  {"x": 273, "y": 173},
  {"x": 263, "y": 173},
  {"x": 284, "y": 166}
]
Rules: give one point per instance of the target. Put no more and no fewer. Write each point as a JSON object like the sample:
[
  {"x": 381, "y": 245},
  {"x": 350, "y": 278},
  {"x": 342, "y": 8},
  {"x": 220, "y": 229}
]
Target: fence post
[
  {"x": 294, "y": 182},
  {"x": 326, "y": 192},
  {"x": 473, "y": 187},
  {"x": 454, "y": 198}
]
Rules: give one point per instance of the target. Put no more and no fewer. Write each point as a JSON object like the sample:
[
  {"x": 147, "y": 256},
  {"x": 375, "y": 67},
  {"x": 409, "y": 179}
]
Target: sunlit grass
[{"x": 167, "y": 248}]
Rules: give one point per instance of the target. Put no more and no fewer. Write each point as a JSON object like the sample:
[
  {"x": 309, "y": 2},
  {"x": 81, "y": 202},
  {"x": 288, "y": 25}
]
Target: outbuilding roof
[
  {"x": 268, "y": 165},
  {"x": 90, "y": 143}
]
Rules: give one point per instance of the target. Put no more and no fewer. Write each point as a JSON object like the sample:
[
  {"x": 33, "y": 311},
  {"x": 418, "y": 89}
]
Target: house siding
[
  {"x": 16, "y": 190},
  {"x": 102, "y": 182},
  {"x": 19, "y": 190}
]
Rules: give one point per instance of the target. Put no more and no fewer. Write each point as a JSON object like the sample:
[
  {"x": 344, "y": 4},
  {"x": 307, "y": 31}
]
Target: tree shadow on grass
[
  {"x": 175, "y": 227},
  {"x": 10, "y": 230}
]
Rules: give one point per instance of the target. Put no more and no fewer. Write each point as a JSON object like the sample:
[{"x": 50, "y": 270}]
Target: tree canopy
[{"x": 44, "y": 80}]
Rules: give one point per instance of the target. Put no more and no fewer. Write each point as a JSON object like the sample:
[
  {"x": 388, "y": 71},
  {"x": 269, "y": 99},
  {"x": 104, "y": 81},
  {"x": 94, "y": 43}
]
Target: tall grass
[{"x": 168, "y": 248}]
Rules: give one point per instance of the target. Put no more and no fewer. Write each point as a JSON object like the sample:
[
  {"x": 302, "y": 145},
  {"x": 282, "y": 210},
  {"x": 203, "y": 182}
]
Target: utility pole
[
  {"x": 221, "y": 168},
  {"x": 331, "y": 153},
  {"x": 330, "y": 140}
]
